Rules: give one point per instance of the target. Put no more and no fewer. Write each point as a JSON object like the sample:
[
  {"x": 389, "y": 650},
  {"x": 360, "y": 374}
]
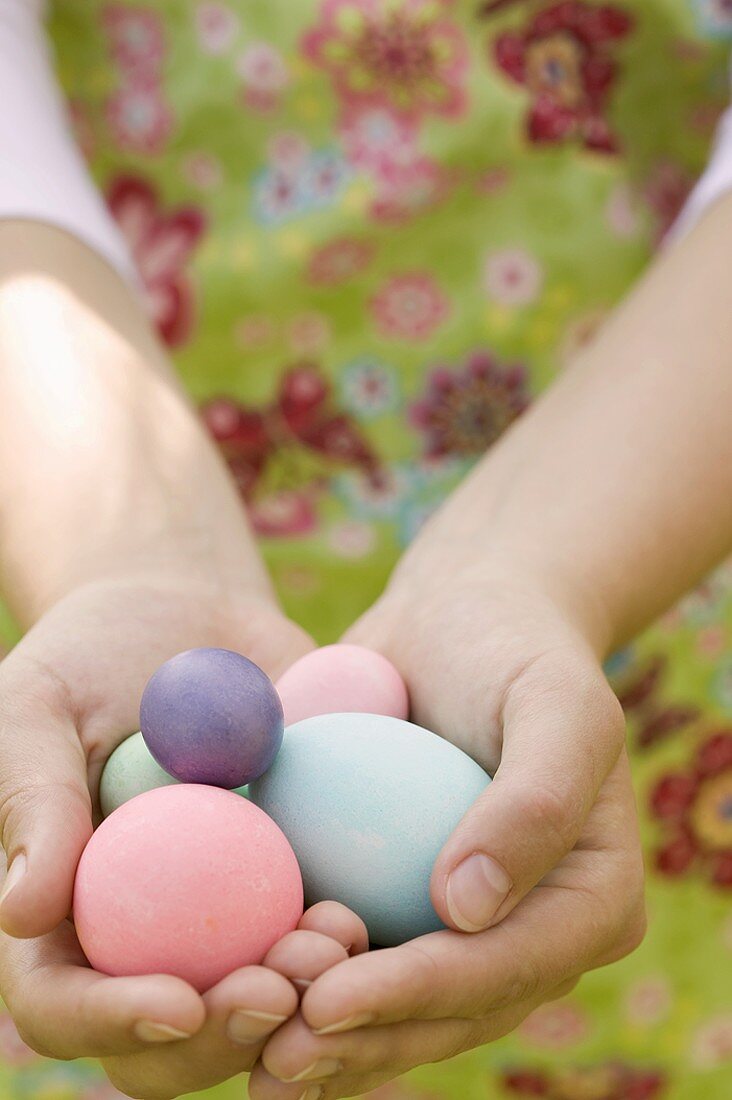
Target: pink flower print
[
  {"x": 410, "y": 189},
  {"x": 512, "y": 277},
  {"x": 410, "y": 307},
  {"x": 13, "y": 1050},
  {"x": 493, "y": 181},
  {"x": 309, "y": 333},
  {"x": 407, "y": 55},
  {"x": 265, "y": 76},
  {"x": 557, "y": 1025},
  {"x": 139, "y": 117},
  {"x": 288, "y": 151},
  {"x": 464, "y": 411},
  {"x": 161, "y": 243},
  {"x": 339, "y": 261},
  {"x": 216, "y": 26},
  {"x": 712, "y": 1044},
  {"x": 375, "y": 139},
  {"x": 255, "y": 331},
  {"x": 135, "y": 36},
  {"x": 203, "y": 170},
  {"x": 352, "y": 539},
  {"x": 648, "y": 1001},
  {"x": 285, "y": 513}
]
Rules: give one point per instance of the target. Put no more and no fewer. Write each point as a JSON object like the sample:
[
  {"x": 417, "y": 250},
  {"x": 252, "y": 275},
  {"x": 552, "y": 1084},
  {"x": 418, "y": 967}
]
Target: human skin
[
  {"x": 590, "y": 516},
  {"x": 122, "y": 542}
]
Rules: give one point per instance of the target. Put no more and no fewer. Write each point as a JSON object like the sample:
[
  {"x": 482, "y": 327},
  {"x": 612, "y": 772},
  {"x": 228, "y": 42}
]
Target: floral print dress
[{"x": 371, "y": 232}]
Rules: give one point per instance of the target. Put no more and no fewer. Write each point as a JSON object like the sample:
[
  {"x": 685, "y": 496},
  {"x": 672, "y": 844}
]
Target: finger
[
  {"x": 302, "y": 956},
  {"x": 351, "y": 1063},
  {"x": 330, "y": 918},
  {"x": 241, "y": 1012},
  {"x": 45, "y": 808},
  {"x": 63, "y": 1009},
  {"x": 586, "y": 913},
  {"x": 294, "y": 1056},
  {"x": 563, "y": 731}
]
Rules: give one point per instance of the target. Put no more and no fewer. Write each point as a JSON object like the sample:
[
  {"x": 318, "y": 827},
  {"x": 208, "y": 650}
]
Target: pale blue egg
[{"x": 367, "y": 802}]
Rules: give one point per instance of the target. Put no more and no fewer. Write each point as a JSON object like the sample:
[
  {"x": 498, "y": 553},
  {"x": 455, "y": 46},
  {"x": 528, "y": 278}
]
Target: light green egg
[{"x": 132, "y": 770}]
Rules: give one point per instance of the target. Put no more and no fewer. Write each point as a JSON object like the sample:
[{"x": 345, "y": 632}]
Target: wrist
[{"x": 439, "y": 569}]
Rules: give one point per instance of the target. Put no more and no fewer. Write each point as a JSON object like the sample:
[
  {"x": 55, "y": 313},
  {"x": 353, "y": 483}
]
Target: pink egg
[
  {"x": 188, "y": 880},
  {"x": 340, "y": 679}
]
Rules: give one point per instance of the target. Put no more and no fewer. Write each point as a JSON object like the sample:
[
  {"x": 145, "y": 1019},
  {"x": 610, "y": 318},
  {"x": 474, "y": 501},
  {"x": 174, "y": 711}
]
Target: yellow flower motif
[{"x": 711, "y": 814}]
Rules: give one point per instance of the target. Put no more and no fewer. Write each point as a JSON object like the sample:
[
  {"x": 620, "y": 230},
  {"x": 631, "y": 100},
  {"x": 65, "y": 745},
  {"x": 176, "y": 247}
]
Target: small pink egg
[
  {"x": 188, "y": 880},
  {"x": 340, "y": 679}
]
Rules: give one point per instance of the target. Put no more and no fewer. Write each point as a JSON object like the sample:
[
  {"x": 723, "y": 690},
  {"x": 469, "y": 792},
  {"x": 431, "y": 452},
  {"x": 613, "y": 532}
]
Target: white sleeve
[{"x": 42, "y": 173}]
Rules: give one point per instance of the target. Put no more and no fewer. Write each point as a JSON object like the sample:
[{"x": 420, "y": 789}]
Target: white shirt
[{"x": 43, "y": 175}]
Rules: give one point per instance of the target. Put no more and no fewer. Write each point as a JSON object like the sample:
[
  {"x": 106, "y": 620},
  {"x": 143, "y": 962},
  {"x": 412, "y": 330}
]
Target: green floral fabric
[{"x": 371, "y": 232}]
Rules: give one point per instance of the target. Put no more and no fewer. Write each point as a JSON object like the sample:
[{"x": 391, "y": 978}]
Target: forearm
[
  {"x": 104, "y": 467},
  {"x": 616, "y": 488}
]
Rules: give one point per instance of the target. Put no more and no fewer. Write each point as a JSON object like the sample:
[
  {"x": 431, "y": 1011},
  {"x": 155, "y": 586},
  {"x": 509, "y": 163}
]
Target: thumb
[
  {"x": 563, "y": 730},
  {"x": 45, "y": 810}
]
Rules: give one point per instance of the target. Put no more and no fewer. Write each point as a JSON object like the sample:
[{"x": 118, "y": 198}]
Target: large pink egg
[
  {"x": 188, "y": 880},
  {"x": 339, "y": 679}
]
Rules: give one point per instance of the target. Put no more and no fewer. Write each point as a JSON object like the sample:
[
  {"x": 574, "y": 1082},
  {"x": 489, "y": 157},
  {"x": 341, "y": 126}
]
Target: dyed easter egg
[
  {"x": 132, "y": 770},
  {"x": 187, "y": 880},
  {"x": 341, "y": 678},
  {"x": 367, "y": 802},
  {"x": 212, "y": 716}
]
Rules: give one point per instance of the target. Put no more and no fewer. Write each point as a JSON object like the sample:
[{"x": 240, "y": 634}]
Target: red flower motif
[
  {"x": 612, "y": 1081},
  {"x": 409, "y": 307},
  {"x": 695, "y": 808},
  {"x": 270, "y": 451},
  {"x": 561, "y": 58},
  {"x": 339, "y": 260},
  {"x": 641, "y": 697},
  {"x": 465, "y": 411},
  {"x": 161, "y": 243}
]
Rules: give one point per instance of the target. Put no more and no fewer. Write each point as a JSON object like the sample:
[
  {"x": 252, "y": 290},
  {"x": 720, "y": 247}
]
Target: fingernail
[
  {"x": 326, "y": 1067},
  {"x": 301, "y": 983},
  {"x": 151, "y": 1032},
  {"x": 16, "y": 870},
  {"x": 315, "y": 1092},
  {"x": 475, "y": 890},
  {"x": 245, "y": 1026},
  {"x": 350, "y": 1023}
]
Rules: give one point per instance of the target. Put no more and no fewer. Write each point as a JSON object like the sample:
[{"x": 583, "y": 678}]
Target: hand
[
  {"x": 544, "y": 871},
  {"x": 69, "y": 693}
]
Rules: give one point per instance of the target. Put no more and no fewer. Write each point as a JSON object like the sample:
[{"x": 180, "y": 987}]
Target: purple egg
[{"x": 212, "y": 716}]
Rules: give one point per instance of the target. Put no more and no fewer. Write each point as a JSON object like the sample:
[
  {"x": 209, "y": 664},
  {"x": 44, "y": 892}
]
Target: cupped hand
[
  {"x": 544, "y": 872},
  {"x": 69, "y": 693}
]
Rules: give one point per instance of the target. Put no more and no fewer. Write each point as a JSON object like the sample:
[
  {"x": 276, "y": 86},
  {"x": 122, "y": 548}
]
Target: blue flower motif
[
  {"x": 369, "y": 388},
  {"x": 277, "y": 196},
  {"x": 283, "y": 193},
  {"x": 714, "y": 17},
  {"x": 323, "y": 178}
]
